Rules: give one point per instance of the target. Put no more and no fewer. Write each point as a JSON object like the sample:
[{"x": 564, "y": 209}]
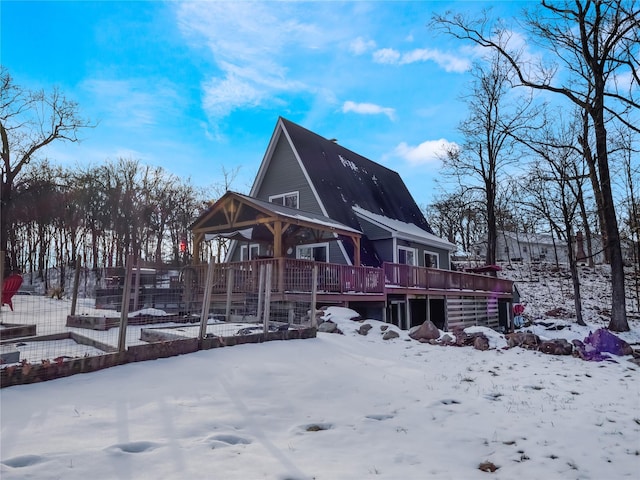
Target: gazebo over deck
[{"x": 243, "y": 218}]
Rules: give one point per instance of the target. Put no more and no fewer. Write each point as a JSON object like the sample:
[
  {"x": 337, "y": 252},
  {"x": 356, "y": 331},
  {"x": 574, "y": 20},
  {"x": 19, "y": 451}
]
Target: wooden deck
[{"x": 334, "y": 281}]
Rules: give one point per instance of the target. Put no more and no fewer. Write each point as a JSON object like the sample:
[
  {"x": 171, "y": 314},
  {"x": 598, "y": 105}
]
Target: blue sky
[{"x": 196, "y": 87}]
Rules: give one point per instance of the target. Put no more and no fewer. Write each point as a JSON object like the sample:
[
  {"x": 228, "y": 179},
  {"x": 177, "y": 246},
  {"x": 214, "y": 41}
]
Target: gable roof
[
  {"x": 240, "y": 217},
  {"x": 341, "y": 179},
  {"x": 216, "y": 219}
]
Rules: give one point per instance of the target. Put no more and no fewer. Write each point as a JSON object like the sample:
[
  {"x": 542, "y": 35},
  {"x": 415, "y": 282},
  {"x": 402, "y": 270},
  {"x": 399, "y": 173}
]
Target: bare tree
[
  {"x": 495, "y": 117},
  {"x": 631, "y": 175},
  {"x": 458, "y": 217},
  {"x": 555, "y": 185},
  {"x": 29, "y": 121},
  {"x": 598, "y": 45}
]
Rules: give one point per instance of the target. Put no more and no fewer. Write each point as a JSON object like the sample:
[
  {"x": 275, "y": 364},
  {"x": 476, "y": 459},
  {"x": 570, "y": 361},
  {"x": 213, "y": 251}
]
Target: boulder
[
  {"x": 480, "y": 342},
  {"x": 426, "y": 331},
  {"x": 523, "y": 339},
  {"x": 327, "y": 327},
  {"x": 389, "y": 334},
  {"x": 364, "y": 329},
  {"x": 446, "y": 339},
  {"x": 577, "y": 343},
  {"x": 558, "y": 346}
]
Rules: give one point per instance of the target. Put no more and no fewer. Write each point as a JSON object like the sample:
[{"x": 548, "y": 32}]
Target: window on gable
[{"x": 286, "y": 199}]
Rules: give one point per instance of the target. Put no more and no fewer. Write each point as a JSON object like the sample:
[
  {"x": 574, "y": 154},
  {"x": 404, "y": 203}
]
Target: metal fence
[{"x": 138, "y": 305}]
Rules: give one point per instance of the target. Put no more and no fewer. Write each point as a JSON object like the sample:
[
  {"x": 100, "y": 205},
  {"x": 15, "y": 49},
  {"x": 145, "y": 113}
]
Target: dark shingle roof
[{"x": 344, "y": 178}]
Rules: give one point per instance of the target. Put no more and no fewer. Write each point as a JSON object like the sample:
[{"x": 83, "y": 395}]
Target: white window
[
  {"x": 406, "y": 255},
  {"x": 317, "y": 251},
  {"x": 249, "y": 252},
  {"x": 286, "y": 199},
  {"x": 431, "y": 260}
]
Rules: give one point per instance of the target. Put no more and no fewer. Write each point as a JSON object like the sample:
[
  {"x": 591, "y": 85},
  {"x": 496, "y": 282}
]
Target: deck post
[
  {"x": 281, "y": 266},
  {"x": 314, "y": 295}
]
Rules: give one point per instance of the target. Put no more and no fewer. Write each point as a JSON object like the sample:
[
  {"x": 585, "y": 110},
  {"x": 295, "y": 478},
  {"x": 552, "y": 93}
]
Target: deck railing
[
  {"x": 408, "y": 276},
  {"x": 292, "y": 275}
]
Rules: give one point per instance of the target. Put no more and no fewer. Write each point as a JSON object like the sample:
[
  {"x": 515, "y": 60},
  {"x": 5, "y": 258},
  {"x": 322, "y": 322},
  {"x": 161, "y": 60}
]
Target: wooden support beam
[
  {"x": 198, "y": 238},
  {"x": 356, "y": 251},
  {"x": 277, "y": 239}
]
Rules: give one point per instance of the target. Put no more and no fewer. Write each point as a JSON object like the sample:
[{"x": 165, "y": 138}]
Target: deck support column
[{"x": 356, "y": 251}]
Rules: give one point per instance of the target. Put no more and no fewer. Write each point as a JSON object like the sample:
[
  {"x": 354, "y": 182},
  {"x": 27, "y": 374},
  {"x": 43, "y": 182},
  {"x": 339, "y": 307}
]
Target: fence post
[
  {"x": 206, "y": 301},
  {"x": 2, "y": 260},
  {"x": 260, "y": 293},
  {"x": 136, "y": 290},
  {"x": 76, "y": 286},
  {"x": 124, "y": 314},
  {"x": 229, "y": 292},
  {"x": 314, "y": 295},
  {"x": 267, "y": 298}
]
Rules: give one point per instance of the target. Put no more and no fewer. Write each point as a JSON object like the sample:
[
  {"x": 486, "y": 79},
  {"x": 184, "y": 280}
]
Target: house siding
[
  {"x": 372, "y": 231},
  {"x": 285, "y": 175},
  {"x": 443, "y": 255},
  {"x": 384, "y": 249},
  {"x": 383, "y": 244}
]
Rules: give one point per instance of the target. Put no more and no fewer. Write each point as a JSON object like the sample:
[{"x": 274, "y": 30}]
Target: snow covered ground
[{"x": 338, "y": 407}]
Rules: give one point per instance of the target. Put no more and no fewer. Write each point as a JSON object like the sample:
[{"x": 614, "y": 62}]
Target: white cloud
[
  {"x": 250, "y": 44},
  {"x": 427, "y": 152},
  {"x": 448, "y": 62},
  {"x": 622, "y": 81},
  {"x": 360, "y": 46},
  {"x": 132, "y": 103},
  {"x": 386, "y": 55},
  {"x": 221, "y": 96},
  {"x": 368, "y": 109}
]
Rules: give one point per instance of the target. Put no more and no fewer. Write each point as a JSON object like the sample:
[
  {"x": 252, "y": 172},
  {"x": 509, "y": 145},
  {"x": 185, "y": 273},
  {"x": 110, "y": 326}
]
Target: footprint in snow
[
  {"x": 315, "y": 427},
  {"x": 379, "y": 416},
  {"x": 226, "y": 439},
  {"x": 134, "y": 447},
  {"x": 24, "y": 461}
]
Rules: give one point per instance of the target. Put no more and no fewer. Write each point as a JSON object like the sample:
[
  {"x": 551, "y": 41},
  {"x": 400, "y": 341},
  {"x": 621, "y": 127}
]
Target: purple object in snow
[{"x": 602, "y": 341}]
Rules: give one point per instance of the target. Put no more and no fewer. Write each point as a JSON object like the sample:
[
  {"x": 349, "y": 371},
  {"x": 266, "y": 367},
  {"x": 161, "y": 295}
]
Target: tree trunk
[
  {"x": 618, "y": 321},
  {"x": 5, "y": 208}
]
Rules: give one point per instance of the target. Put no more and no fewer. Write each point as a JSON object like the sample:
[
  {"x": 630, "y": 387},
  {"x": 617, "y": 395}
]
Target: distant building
[{"x": 544, "y": 247}]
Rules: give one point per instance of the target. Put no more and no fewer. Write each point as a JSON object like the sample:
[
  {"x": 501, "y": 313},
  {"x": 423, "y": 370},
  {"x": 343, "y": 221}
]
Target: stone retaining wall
[{"x": 28, "y": 373}]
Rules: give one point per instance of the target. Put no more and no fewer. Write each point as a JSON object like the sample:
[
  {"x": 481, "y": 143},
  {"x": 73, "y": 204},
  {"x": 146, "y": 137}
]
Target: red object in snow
[
  {"x": 518, "y": 309},
  {"x": 9, "y": 288}
]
